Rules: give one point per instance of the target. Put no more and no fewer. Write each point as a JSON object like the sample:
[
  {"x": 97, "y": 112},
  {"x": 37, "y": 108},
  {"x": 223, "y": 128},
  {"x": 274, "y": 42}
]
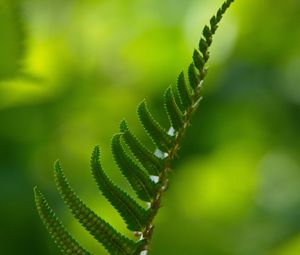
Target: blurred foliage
[
  {"x": 71, "y": 70},
  {"x": 12, "y": 42}
]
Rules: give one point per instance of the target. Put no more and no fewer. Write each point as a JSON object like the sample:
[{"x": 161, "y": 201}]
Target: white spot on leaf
[{"x": 160, "y": 154}]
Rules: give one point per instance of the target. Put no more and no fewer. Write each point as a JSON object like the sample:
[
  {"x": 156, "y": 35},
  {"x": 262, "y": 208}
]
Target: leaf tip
[
  {"x": 123, "y": 126},
  {"x": 37, "y": 193}
]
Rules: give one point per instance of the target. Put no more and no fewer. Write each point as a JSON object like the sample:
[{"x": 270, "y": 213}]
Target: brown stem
[{"x": 163, "y": 178}]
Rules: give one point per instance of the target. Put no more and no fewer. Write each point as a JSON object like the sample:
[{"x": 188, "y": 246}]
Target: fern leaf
[
  {"x": 145, "y": 189},
  {"x": 184, "y": 92},
  {"x": 173, "y": 111},
  {"x": 113, "y": 241},
  {"x": 148, "y": 160},
  {"x": 207, "y": 35},
  {"x": 193, "y": 76},
  {"x": 132, "y": 161},
  {"x": 213, "y": 24},
  {"x": 203, "y": 47},
  {"x": 199, "y": 64},
  {"x": 159, "y": 136},
  {"x": 198, "y": 60},
  {"x": 66, "y": 243},
  {"x": 133, "y": 214}
]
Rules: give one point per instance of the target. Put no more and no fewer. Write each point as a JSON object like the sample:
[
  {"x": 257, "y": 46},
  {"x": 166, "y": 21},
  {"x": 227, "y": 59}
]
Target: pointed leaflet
[
  {"x": 177, "y": 98},
  {"x": 159, "y": 136},
  {"x": 207, "y": 35},
  {"x": 184, "y": 92},
  {"x": 150, "y": 162},
  {"x": 173, "y": 111},
  {"x": 199, "y": 64},
  {"x": 193, "y": 77},
  {"x": 113, "y": 241},
  {"x": 198, "y": 60},
  {"x": 145, "y": 189},
  {"x": 134, "y": 215},
  {"x": 66, "y": 243},
  {"x": 213, "y": 24},
  {"x": 203, "y": 47}
]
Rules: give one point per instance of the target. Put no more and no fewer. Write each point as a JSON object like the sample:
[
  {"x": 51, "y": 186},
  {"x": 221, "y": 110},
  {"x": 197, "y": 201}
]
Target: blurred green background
[{"x": 71, "y": 70}]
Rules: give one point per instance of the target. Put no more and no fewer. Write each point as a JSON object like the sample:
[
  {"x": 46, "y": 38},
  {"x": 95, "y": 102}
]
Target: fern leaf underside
[{"x": 137, "y": 164}]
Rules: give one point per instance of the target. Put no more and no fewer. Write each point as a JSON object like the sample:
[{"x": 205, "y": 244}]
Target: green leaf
[
  {"x": 148, "y": 160},
  {"x": 213, "y": 24},
  {"x": 134, "y": 215},
  {"x": 203, "y": 47},
  {"x": 219, "y": 15},
  {"x": 198, "y": 60},
  {"x": 179, "y": 106},
  {"x": 193, "y": 77},
  {"x": 184, "y": 92},
  {"x": 207, "y": 35},
  {"x": 66, "y": 243},
  {"x": 114, "y": 242},
  {"x": 174, "y": 113},
  {"x": 145, "y": 189},
  {"x": 158, "y": 135},
  {"x": 123, "y": 126}
]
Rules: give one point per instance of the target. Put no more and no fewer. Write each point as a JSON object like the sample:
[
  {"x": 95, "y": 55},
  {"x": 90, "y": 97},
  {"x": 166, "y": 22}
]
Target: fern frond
[
  {"x": 103, "y": 232},
  {"x": 133, "y": 158},
  {"x": 148, "y": 160},
  {"x": 133, "y": 214},
  {"x": 66, "y": 243},
  {"x": 158, "y": 135},
  {"x": 145, "y": 189}
]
